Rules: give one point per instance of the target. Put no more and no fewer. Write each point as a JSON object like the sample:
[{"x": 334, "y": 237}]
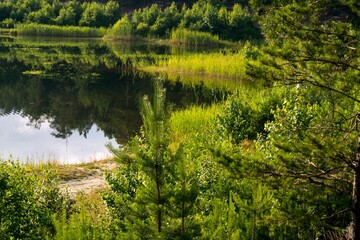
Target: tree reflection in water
[{"x": 74, "y": 86}]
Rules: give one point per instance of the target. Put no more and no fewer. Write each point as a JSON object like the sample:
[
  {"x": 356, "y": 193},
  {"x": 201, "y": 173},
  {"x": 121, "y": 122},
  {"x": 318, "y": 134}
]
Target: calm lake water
[{"x": 65, "y": 100}]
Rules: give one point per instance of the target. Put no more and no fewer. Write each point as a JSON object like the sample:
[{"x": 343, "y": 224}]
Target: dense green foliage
[
  {"x": 296, "y": 141},
  {"x": 28, "y": 199},
  {"x": 279, "y": 163},
  {"x": 236, "y": 24},
  {"x": 53, "y": 12},
  {"x": 240, "y": 120},
  {"x": 309, "y": 153}
]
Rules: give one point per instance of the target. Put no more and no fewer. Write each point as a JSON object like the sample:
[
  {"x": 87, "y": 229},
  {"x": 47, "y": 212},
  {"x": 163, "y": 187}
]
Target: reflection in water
[
  {"x": 27, "y": 143},
  {"x": 67, "y": 99}
]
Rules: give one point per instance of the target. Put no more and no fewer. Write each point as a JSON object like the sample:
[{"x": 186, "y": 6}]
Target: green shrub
[
  {"x": 28, "y": 199},
  {"x": 238, "y": 120},
  {"x": 241, "y": 121}
]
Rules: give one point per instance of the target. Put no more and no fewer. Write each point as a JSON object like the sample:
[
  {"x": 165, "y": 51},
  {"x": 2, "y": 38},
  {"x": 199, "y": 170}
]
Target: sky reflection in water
[{"x": 27, "y": 143}]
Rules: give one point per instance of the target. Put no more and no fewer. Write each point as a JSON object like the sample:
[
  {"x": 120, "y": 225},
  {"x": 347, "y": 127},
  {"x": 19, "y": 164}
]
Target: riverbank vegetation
[
  {"x": 199, "y": 23},
  {"x": 69, "y": 13},
  {"x": 278, "y": 162},
  {"x": 34, "y": 29},
  {"x": 216, "y": 64},
  {"x": 202, "y": 23}
]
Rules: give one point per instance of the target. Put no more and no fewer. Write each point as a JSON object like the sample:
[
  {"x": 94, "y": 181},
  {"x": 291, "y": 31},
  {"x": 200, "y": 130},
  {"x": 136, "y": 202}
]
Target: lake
[{"x": 64, "y": 100}]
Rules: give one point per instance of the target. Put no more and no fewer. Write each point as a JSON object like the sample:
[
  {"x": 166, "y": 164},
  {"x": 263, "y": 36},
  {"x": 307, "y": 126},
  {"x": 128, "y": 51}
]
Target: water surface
[{"x": 64, "y": 100}]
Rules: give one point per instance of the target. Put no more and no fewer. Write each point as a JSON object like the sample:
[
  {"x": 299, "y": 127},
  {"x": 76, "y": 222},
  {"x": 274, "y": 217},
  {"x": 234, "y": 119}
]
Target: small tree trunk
[
  {"x": 355, "y": 228},
  {"x": 158, "y": 189}
]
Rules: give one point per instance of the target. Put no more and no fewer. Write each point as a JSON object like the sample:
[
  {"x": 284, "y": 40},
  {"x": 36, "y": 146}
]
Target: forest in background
[{"x": 280, "y": 162}]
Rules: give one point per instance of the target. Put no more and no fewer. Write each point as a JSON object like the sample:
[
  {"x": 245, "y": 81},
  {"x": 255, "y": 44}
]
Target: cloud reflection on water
[{"x": 27, "y": 143}]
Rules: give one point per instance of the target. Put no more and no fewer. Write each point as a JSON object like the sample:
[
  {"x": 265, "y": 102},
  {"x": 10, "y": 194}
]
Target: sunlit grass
[
  {"x": 188, "y": 124},
  {"x": 216, "y": 65},
  {"x": 188, "y": 37}
]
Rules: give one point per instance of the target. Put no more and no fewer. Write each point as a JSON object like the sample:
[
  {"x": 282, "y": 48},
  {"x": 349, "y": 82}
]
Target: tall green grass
[
  {"x": 188, "y": 124},
  {"x": 219, "y": 65},
  {"x": 188, "y": 37},
  {"x": 34, "y": 29},
  {"x": 122, "y": 29}
]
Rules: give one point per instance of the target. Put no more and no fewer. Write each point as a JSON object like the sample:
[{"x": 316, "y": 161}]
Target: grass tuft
[{"x": 189, "y": 37}]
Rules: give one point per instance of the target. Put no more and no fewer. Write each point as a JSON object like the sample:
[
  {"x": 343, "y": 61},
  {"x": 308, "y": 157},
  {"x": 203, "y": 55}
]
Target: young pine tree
[{"x": 147, "y": 195}]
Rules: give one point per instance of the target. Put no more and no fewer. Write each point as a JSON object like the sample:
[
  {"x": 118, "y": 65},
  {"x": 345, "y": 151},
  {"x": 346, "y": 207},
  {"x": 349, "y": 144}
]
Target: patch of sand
[
  {"x": 85, "y": 185},
  {"x": 90, "y": 183}
]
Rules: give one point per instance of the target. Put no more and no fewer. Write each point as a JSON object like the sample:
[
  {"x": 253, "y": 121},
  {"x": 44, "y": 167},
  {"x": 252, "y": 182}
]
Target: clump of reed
[
  {"x": 216, "y": 64},
  {"x": 34, "y": 29},
  {"x": 122, "y": 29},
  {"x": 188, "y": 124},
  {"x": 189, "y": 37}
]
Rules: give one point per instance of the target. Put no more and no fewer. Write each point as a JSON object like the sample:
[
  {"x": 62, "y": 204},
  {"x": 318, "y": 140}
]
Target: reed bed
[
  {"x": 34, "y": 29},
  {"x": 218, "y": 64},
  {"x": 189, "y": 37}
]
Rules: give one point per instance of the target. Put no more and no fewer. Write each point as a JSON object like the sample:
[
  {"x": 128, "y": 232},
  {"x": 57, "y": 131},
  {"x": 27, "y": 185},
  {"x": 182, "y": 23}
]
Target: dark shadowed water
[{"x": 64, "y": 100}]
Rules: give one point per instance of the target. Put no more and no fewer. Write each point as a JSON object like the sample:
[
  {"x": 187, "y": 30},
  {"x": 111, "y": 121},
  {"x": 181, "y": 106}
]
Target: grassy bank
[{"x": 33, "y": 29}]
